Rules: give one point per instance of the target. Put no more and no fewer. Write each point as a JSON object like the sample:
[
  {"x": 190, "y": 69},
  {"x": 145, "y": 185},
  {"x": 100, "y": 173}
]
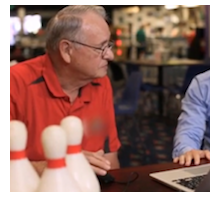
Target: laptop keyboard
[{"x": 191, "y": 183}]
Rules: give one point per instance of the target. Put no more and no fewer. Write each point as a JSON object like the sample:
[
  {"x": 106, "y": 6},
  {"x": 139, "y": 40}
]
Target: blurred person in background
[
  {"x": 190, "y": 35},
  {"x": 141, "y": 40},
  {"x": 197, "y": 46}
]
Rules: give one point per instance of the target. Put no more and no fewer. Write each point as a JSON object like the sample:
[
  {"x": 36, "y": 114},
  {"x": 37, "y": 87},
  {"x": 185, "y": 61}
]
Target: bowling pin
[
  {"x": 77, "y": 163},
  {"x": 55, "y": 177},
  {"x": 23, "y": 177}
]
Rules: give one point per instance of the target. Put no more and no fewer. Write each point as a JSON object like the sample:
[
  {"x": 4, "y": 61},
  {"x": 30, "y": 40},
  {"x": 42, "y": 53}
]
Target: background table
[{"x": 160, "y": 67}]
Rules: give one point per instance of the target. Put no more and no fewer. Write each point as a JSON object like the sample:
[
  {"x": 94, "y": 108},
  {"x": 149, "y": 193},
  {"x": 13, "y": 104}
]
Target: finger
[
  {"x": 99, "y": 163},
  {"x": 94, "y": 154},
  {"x": 207, "y": 153},
  {"x": 188, "y": 159},
  {"x": 100, "y": 152},
  {"x": 87, "y": 153},
  {"x": 99, "y": 171},
  {"x": 182, "y": 159},
  {"x": 176, "y": 160},
  {"x": 202, "y": 153},
  {"x": 101, "y": 158},
  {"x": 196, "y": 156}
]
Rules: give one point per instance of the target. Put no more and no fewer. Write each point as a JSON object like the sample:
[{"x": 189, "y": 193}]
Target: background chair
[
  {"x": 149, "y": 90},
  {"x": 128, "y": 103},
  {"x": 127, "y": 110}
]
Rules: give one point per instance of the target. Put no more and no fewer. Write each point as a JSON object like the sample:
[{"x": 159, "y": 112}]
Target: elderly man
[
  {"x": 70, "y": 79},
  {"x": 192, "y": 139}
]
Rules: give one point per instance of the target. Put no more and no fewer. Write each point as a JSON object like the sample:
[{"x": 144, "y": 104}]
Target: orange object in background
[
  {"x": 190, "y": 36},
  {"x": 118, "y": 43},
  {"x": 119, "y": 52},
  {"x": 119, "y": 32}
]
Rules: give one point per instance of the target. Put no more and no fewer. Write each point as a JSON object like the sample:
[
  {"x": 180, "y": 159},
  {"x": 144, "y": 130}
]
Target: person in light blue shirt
[{"x": 192, "y": 138}]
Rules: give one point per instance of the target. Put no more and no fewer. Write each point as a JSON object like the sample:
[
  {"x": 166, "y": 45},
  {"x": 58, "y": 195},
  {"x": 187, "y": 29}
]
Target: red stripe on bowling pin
[
  {"x": 72, "y": 149},
  {"x": 56, "y": 163},
  {"x": 17, "y": 155}
]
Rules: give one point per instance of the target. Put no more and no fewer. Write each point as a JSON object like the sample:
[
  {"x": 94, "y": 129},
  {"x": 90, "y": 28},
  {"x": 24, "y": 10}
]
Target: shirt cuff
[{"x": 178, "y": 153}]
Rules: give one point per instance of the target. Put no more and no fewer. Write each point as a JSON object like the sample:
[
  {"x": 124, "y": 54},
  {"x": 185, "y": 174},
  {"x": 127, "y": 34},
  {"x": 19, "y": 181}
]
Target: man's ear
[{"x": 65, "y": 48}]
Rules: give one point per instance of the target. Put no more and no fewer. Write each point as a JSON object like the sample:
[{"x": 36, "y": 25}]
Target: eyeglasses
[{"x": 103, "y": 49}]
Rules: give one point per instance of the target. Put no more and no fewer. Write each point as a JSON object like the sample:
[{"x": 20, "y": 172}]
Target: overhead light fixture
[
  {"x": 190, "y": 6},
  {"x": 171, "y": 7},
  {"x": 134, "y": 9}
]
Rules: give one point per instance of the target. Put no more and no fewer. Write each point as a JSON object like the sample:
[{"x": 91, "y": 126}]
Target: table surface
[{"x": 144, "y": 183}]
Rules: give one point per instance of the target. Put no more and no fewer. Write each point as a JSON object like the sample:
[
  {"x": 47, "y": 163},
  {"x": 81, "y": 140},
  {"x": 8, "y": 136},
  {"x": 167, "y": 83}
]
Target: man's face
[{"x": 89, "y": 62}]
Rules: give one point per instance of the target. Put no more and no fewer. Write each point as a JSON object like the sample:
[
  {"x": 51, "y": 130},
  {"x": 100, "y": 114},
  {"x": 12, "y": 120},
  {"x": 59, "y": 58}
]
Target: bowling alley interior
[{"x": 158, "y": 50}]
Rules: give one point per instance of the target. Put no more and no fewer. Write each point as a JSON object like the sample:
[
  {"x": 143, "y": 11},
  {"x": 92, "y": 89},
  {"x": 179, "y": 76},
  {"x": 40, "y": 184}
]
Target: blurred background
[
  {"x": 166, "y": 45},
  {"x": 164, "y": 29}
]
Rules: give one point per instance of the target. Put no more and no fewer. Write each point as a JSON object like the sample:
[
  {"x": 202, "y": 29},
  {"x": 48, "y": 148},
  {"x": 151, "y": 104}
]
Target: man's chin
[{"x": 100, "y": 74}]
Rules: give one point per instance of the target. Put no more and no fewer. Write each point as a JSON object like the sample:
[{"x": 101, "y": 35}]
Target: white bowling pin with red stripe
[
  {"x": 77, "y": 163},
  {"x": 23, "y": 177},
  {"x": 55, "y": 177}
]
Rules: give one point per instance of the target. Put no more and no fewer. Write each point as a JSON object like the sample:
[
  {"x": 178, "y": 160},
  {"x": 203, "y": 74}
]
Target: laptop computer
[
  {"x": 186, "y": 179},
  {"x": 204, "y": 186}
]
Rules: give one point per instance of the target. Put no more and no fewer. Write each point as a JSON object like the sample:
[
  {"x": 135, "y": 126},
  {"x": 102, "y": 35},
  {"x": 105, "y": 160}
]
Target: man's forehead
[
  {"x": 93, "y": 27},
  {"x": 91, "y": 20},
  {"x": 96, "y": 29}
]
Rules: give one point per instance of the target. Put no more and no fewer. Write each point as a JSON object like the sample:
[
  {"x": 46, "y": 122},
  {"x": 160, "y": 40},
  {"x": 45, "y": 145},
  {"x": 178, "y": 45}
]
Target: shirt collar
[{"x": 51, "y": 78}]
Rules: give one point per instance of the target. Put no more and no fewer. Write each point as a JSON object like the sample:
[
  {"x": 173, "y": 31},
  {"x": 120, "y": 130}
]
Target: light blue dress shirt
[{"x": 193, "y": 130}]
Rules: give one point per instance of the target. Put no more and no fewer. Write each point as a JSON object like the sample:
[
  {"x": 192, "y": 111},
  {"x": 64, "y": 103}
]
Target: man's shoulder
[
  {"x": 200, "y": 86},
  {"x": 203, "y": 78},
  {"x": 27, "y": 70}
]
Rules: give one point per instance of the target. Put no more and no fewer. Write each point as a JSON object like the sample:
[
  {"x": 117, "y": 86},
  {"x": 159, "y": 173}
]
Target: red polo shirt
[{"x": 37, "y": 99}]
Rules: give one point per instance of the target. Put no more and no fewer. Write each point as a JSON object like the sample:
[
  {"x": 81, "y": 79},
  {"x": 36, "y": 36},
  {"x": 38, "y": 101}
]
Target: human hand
[
  {"x": 196, "y": 155},
  {"x": 98, "y": 162}
]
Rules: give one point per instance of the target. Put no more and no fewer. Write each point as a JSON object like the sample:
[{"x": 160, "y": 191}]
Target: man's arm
[
  {"x": 104, "y": 160},
  {"x": 192, "y": 121}
]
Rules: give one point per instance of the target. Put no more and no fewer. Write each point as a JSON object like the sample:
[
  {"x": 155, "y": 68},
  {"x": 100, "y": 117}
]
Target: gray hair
[{"x": 67, "y": 23}]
